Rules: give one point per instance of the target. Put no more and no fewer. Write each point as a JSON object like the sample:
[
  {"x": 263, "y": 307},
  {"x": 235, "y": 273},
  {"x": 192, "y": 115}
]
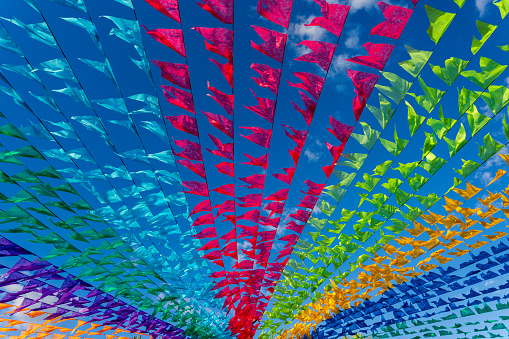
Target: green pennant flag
[{"x": 439, "y": 22}]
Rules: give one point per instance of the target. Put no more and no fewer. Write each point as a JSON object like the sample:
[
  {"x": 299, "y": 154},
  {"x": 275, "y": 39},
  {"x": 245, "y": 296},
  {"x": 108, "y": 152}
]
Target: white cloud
[
  {"x": 340, "y": 65},
  {"x": 507, "y": 81},
  {"x": 481, "y": 5},
  {"x": 486, "y": 111},
  {"x": 312, "y": 156},
  {"x": 352, "y": 41},
  {"x": 362, "y": 4}
]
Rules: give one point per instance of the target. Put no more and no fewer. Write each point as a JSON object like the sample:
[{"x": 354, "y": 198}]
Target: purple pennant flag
[{"x": 27, "y": 265}]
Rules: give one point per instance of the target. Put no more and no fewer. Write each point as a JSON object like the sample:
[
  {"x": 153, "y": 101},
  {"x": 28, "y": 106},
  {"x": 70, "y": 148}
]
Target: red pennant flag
[
  {"x": 260, "y": 136},
  {"x": 169, "y": 8},
  {"x": 335, "y": 151},
  {"x": 229, "y": 236},
  {"x": 250, "y": 200},
  {"x": 226, "y": 69},
  {"x": 333, "y": 18},
  {"x": 275, "y": 207},
  {"x": 217, "y": 262},
  {"x": 277, "y": 11},
  {"x": 396, "y": 18},
  {"x": 228, "y": 189},
  {"x": 224, "y": 100},
  {"x": 223, "y": 124},
  {"x": 328, "y": 170},
  {"x": 310, "y": 106},
  {"x": 269, "y": 77},
  {"x": 206, "y": 233},
  {"x": 265, "y": 108},
  {"x": 210, "y": 245},
  {"x": 295, "y": 154},
  {"x": 262, "y": 161},
  {"x": 191, "y": 150},
  {"x": 340, "y": 130},
  {"x": 198, "y": 168},
  {"x": 378, "y": 55},
  {"x": 221, "y": 9},
  {"x": 203, "y": 206},
  {"x": 301, "y": 215},
  {"x": 285, "y": 253},
  {"x": 198, "y": 188},
  {"x": 321, "y": 55},
  {"x": 252, "y": 215},
  {"x": 223, "y": 150},
  {"x": 171, "y": 38},
  {"x": 179, "y": 98},
  {"x": 214, "y": 255},
  {"x": 364, "y": 84},
  {"x": 254, "y": 181},
  {"x": 266, "y": 221},
  {"x": 311, "y": 83},
  {"x": 177, "y": 74},
  {"x": 274, "y": 45},
  {"x": 286, "y": 178},
  {"x": 267, "y": 235},
  {"x": 226, "y": 168},
  {"x": 221, "y": 41},
  {"x": 293, "y": 226},
  {"x": 227, "y": 206},
  {"x": 230, "y": 250},
  {"x": 309, "y": 201},
  {"x": 299, "y": 137},
  {"x": 184, "y": 123},
  {"x": 314, "y": 188},
  {"x": 248, "y": 231},
  {"x": 280, "y": 195},
  {"x": 291, "y": 239}
]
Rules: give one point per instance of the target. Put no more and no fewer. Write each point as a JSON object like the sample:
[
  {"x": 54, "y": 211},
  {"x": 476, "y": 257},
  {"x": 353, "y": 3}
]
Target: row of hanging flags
[{"x": 146, "y": 255}]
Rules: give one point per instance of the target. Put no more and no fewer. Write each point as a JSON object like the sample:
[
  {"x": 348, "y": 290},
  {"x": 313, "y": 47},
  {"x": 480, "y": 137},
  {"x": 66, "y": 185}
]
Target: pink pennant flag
[
  {"x": 191, "y": 150},
  {"x": 206, "y": 233},
  {"x": 223, "y": 150},
  {"x": 340, "y": 130},
  {"x": 203, "y": 206},
  {"x": 280, "y": 195},
  {"x": 295, "y": 154},
  {"x": 206, "y": 219},
  {"x": 177, "y": 74},
  {"x": 275, "y": 208},
  {"x": 310, "y": 106},
  {"x": 301, "y": 215},
  {"x": 277, "y": 11},
  {"x": 274, "y": 45},
  {"x": 287, "y": 177},
  {"x": 260, "y": 136},
  {"x": 335, "y": 151},
  {"x": 328, "y": 170},
  {"x": 266, "y": 221},
  {"x": 378, "y": 55},
  {"x": 321, "y": 55},
  {"x": 179, "y": 98},
  {"x": 244, "y": 265},
  {"x": 285, "y": 253},
  {"x": 293, "y": 226},
  {"x": 225, "y": 207},
  {"x": 314, "y": 188},
  {"x": 221, "y": 41},
  {"x": 198, "y": 168},
  {"x": 226, "y": 69},
  {"x": 262, "y": 161},
  {"x": 255, "y": 181},
  {"x": 169, "y": 8},
  {"x": 333, "y": 18},
  {"x": 364, "y": 84},
  {"x": 223, "y": 124},
  {"x": 291, "y": 239},
  {"x": 298, "y": 136},
  {"x": 228, "y": 189},
  {"x": 250, "y": 200},
  {"x": 221, "y": 9},
  {"x": 184, "y": 123},
  {"x": 229, "y": 236},
  {"x": 309, "y": 201},
  {"x": 198, "y": 188},
  {"x": 171, "y": 38},
  {"x": 226, "y": 168},
  {"x": 311, "y": 83},
  {"x": 269, "y": 77},
  {"x": 210, "y": 245},
  {"x": 267, "y": 235},
  {"x": 224, "y": 100},
  {"x": 396, "y": 18},
  {"x": 252, "y": 215},
  {"x": 265, "y": 108}
]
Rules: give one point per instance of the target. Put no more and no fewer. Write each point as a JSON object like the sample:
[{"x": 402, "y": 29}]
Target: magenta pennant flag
[
  {"x": 221, "y": 9},
  {"x": 335, "y": 151},
  {"x": 226, "y": 69},
  {"x": 206, "y": 233},
  {"x": 177, "y": 74},
  {"x": 274, "y": 45},
  {"x": 252, "y": 215},
  {"x": 226, "y": 168},
  {"x": 273, "y": 222},
  {"x": 285, "y": 253},
  {"x": 223, "y": 124},
  {"x": 314, "y": 188},
  {"x": 364, "y": 84},
  {"x": 250, "y": 200},
  {"x": 198, "y": 188},
  {"x": 328, "y": 170},
  {"x": 321, "y": 55},
  {"x": 269, "y": 77},
  {"x": 309, "y": 201},
  {"x": 224, "y": 100},
  {"x": 293, "y": 226},
  {"x": 197, "y": 168},
  {"x": 260, "y": 136},
  {"x": 277, "y": 11},
  {"x": 210, "y": 245},
  {"x": 228, "y": 189},
  {"x": 229, "y": 236},
  {"x": 311, "y": 83},
  {"x": 223, "y": 150},
  {"x": 179, "y": 98},
  {"x": 227, "y": 206},
  {"x": 396, "y": 18},
  {"x": 206, "y": 219},
  {"x": 191, "y": 150},
  {"x": 295, "y": 154},
  {"x": 291, "y": 239},
  {"x": 340, "y": 130},
  {"x": 254, "y": 181},
  {"x": 203, "y": 206},
  {"x": 377, "y": 58},
  {"x": 267, "y": 235},
  {"x": 301, "y": 215},
  {"x": 169, "y": 8},
  {"x": 310, "y": 106},
  {"x": 265, "y": 108},
  {"x": 298, "y": 136},
  {"x": 280, "y": 195},
  {"x": 169, "y": 37},
  {"x": 287, "y": 177},
  {"x": 262, "y": 161},
  {"x": 333, "y": 18},
  {"x": 275, "y": 208},
  {"x": 184, "y": 123},
  {"x": 221, "y": 41}
]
